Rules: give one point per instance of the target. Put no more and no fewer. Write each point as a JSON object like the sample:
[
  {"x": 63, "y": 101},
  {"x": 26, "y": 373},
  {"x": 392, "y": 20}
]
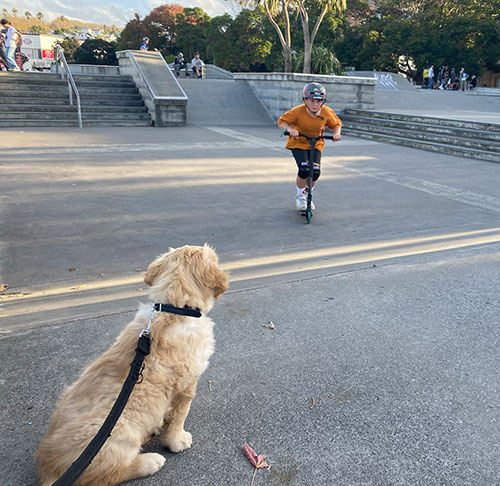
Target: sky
[{"x": 109, "y": 13}]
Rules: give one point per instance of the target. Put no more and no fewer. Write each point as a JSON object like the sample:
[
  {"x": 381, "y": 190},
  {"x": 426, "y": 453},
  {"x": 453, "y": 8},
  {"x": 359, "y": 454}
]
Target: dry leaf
[
  {"x": 269, "y": 325},
  {"x": 313, "y": 402},
  {"x": 257, "y": 460},
  {"x": 72, "y": 269},
  {"x": 3, "y": 287}
]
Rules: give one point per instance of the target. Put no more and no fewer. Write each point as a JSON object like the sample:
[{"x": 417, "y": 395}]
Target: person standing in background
[
  {"x": 144, "y": 45},
  {"x": 431, "y": 77}
]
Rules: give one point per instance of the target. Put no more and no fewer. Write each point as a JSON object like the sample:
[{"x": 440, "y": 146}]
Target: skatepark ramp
[
  {"x": 162, "y": 94},
  {"x": 223, "y": 102}
]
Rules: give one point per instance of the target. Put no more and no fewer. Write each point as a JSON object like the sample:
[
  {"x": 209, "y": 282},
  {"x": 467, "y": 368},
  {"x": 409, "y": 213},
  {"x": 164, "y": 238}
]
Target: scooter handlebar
[{"x": 328, "y": 137}]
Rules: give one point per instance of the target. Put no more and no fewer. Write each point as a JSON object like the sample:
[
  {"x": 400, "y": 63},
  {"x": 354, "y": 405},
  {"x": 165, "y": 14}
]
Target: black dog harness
[{"x": 136, "y": 367}]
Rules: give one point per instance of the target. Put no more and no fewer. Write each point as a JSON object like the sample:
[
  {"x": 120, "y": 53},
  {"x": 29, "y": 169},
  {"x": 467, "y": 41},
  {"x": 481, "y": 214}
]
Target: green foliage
[
  {"x": 38, "y": 29},
  {"x": 323, "y": 61},
  {"x": 465, "y": 33},
  {"x": 69, "y": 45},
  {"x": 96, "y": 51}
]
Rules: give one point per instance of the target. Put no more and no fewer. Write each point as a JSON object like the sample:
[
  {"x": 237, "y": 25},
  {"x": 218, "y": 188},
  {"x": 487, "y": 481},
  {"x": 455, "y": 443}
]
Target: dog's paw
[
  {"x": 178, "y": 442},
  {"x": 150, "y": 463}
]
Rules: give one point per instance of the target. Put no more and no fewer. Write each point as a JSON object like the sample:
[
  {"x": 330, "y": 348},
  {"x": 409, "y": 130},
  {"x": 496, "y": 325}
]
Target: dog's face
[{"x": 189, "y": 275}]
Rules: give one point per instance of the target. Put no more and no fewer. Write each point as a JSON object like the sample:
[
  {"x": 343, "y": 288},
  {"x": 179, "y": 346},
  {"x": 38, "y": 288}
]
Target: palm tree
[
  {"x": 5, "y": 12},
  {"x": 28, "y": 15},
  {"x": 14, "y": 11},
  {"x": 39, "y": 16}
]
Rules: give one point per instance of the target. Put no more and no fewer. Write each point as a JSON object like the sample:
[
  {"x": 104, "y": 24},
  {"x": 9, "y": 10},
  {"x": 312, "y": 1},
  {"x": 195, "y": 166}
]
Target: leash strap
[{"x": 76, "y": 469}]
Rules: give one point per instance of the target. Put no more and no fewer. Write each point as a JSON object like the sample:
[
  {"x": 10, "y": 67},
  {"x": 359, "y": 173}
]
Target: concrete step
[
  {"x": 424, "y": 119},
  {"x": 101, "y": 90},
  {"x": 49, "y": 79},
  {"x": 61, "y": 108},
  {"x": 433, "y": 147},
  {"x": 43, "y": 100},
  {"x": 117, "y": 123},
  {"x": 74, "y": 123},
  {"x": 70, "y": 115},
  {"x": 469, "y": 141},
  {"x": 424, "y": 127},
  {"x": 48, "y": 96},
  {"x": 32, "y": 100},
  {"x": 34, "y": 123}
]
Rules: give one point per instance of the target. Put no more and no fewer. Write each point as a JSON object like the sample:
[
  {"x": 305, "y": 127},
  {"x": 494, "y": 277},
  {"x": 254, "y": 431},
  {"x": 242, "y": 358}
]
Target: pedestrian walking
[{"x": 12, "y": 38}]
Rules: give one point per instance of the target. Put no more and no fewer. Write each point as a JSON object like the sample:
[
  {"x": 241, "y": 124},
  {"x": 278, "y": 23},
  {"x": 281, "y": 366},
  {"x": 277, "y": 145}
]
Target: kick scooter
[{"x": 312, "y": 141}]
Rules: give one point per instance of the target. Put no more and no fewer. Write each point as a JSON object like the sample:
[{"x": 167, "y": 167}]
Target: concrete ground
[{"x": 383, "y": 365}]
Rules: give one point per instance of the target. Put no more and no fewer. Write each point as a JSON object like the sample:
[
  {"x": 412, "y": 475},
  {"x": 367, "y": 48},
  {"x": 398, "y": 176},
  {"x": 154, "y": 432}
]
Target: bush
[{"x": 96, "y": 51}]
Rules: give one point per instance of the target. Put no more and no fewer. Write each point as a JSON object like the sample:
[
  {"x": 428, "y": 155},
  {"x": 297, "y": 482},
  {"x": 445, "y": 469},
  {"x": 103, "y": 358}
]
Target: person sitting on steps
[
  {"x": 197, "y": 65},
  {"x": 180, "y": 63}
]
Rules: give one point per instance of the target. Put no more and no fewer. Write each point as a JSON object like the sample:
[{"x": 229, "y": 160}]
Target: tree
[
  {"x": 5, "y": 13},
  {"x": 96, "y": 51},
  {"x": 69, "y": 45},
  {"x": 190, "y": 31},
  {"x": 39, "y": 16},
  {"x": 131, "y": 35},
  {"x": 14, "y": 12},
  {"x": 38, "y": 29},
  {"x": 399, "y": 35},
  {"x": 160, "y": 26},
  {"x": 28, "y": 15},
  {"x": 304, "y": 10},
  {"x": 273, "y": 8}
]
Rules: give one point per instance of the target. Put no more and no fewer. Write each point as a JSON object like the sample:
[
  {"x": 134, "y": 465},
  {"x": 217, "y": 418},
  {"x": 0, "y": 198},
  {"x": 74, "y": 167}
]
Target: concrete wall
[
  {"x": 90, "y": 69},
  {"x": 279, "y": 92},
  {"x": 162, "y": 94}
]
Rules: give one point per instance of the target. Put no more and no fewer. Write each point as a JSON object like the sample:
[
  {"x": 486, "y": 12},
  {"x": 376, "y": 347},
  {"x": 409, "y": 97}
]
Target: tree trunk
[
  {"x": 308, "y": 37},
  {"x": 286, "y": 39},
  {"x": 307, "y": 55}
]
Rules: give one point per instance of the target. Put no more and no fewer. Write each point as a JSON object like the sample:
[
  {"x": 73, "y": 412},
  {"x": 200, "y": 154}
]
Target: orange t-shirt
[{"x": 312, "y": 126}]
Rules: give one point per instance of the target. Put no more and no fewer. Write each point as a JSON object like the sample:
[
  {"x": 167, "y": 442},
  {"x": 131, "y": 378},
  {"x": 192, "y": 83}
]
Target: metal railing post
[{"x": 73, "y": 90}]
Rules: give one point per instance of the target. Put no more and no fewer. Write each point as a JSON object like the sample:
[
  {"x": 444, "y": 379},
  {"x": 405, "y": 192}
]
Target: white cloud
[{"x": 100, "y": 12}]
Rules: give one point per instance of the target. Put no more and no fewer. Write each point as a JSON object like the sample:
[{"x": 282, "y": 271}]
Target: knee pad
[
  {"x": 304, "y": 170},
  {"x": 316, "y": 172}
]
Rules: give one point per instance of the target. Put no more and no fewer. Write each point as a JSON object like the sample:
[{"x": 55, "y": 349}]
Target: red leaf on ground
[{"x": 257, "y": 460}]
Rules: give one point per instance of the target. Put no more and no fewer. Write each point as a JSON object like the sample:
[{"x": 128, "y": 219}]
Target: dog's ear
[
  {"x": 216, "y": 278},
  {"x": 220, "y": 282},
  {"x": 152, "y": 272}
]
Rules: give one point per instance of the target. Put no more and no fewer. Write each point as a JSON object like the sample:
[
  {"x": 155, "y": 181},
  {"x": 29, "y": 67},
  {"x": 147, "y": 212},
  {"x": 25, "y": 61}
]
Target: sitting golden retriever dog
[{"x": 180, "y": 348}]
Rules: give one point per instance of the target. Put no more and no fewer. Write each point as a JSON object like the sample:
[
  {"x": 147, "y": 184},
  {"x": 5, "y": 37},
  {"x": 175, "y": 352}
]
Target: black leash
[{"x": 76, "y": 469}]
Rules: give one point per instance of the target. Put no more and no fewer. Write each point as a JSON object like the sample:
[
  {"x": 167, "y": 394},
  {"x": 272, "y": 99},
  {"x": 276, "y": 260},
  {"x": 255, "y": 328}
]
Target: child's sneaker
[
  {"x": 313, "y": 207},
  {"x": 301, "y": 202}
]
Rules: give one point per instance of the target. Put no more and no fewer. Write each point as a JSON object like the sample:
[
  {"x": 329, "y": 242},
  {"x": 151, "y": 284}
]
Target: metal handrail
[{"x": 73, "y": 90}]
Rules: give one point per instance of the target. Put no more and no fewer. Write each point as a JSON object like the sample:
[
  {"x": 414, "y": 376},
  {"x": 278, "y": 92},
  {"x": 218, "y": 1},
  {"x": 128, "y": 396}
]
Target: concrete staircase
[
  {"x": 467, "y": 139},
  {"x": 42, "y": 100}
]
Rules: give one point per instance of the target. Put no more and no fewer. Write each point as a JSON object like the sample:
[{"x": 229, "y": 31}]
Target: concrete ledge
[
  {"x": 279, "y": 92},
  {"x": 90, "y": 69},
  {"x": 163, "y": 96}
]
